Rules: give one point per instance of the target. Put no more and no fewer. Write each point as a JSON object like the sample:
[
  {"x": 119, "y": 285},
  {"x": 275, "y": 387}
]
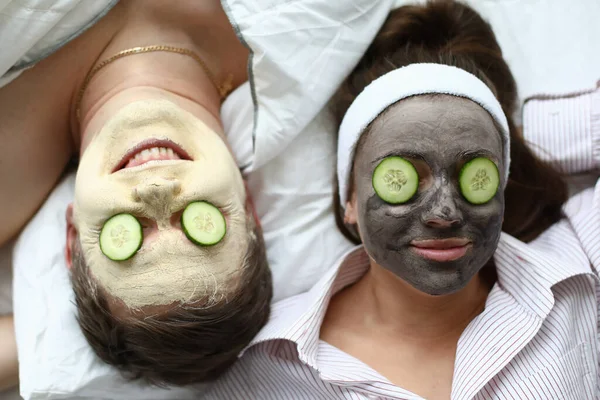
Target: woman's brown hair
[{"x": 448, "y": 32}]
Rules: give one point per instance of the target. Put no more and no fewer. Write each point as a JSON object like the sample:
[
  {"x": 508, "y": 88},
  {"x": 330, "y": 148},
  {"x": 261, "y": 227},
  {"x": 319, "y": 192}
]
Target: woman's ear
[
  {"x": 71, "y": 236},
  {"x": 350, "y": 212}
]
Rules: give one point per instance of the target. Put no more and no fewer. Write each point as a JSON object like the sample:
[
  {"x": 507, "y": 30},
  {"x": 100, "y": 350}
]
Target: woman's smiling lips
[{"x": 441, "y": 250}]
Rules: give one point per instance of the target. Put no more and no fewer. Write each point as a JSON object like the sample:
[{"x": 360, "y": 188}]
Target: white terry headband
[{"x": 412, "y": 80}]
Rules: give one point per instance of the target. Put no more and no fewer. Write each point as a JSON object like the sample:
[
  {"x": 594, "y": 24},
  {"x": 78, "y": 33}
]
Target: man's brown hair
[
  {"x": 186, "y": 345},
  {"x": 451, "y": 33}
]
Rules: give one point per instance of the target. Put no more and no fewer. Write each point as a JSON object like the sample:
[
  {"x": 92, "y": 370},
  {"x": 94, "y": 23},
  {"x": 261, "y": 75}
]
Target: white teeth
[
  {"x": 146, "y": 154},
  {"x": 154, "y": 154}
]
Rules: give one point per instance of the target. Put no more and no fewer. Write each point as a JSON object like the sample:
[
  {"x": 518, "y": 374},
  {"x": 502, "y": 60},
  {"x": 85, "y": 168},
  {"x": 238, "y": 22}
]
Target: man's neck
[
  {"x": 200, "y": 28},
  {"x": 166, "y": 76},
  {"x": 381, "y": 302}
]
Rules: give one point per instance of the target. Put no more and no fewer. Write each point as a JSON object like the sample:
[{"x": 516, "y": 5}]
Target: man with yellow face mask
[{"x": 167, "y": 258}]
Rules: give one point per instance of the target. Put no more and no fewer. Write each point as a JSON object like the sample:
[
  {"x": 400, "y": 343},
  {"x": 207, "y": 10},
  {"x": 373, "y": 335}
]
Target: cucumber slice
[
  {"x": 121, "y": 237},
  {"x": 395, "y": 180},
  {"x": 203, "y": 223},
  {"x": 479, "y": 180}
]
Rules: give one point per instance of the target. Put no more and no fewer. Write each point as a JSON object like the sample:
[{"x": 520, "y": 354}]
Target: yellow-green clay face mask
[{"x": 151, "y": 160}]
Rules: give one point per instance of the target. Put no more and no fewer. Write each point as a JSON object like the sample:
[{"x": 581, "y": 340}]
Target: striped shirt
[{"x": 537, "y": 337}]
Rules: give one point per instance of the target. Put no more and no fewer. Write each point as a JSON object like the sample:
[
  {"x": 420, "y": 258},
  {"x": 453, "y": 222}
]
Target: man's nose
[{"x": 157, "y": 193}]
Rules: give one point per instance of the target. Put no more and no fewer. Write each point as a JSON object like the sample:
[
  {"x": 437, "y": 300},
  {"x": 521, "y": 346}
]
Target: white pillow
[
  {"x": 303, "y": 49},
  {"x": 293, "y": 194},
  {"x": 551, "y": 46}
]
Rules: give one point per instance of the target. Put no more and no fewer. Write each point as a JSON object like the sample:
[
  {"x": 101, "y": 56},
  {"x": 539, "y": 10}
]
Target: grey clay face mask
[{"x": 438, "y": 134}]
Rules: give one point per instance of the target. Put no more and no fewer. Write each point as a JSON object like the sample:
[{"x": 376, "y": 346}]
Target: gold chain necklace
[{"x": 223, "y": 88}]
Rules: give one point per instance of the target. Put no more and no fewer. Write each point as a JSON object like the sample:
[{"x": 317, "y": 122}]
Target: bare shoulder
[
  {"x": 36, "y": 129},
  {"x": 36, "y": 145}
]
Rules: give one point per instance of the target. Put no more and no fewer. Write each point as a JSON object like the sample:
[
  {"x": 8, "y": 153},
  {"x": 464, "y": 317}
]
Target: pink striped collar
[
  {"x": 299, "y": 318},
  {"x": 529, "y": 271},
  {"x": 526, "y": 272}
]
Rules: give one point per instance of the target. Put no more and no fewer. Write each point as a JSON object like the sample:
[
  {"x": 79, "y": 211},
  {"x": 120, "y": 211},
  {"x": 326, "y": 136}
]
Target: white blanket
[{"x": 30, "y": 30}]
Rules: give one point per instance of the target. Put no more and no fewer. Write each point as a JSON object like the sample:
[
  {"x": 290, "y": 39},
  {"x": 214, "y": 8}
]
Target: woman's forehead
[{"x": 434, "y": 123}]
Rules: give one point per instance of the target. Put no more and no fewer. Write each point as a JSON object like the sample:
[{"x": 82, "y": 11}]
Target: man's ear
[
  {"x": 71, "y": 236},
  {"x": 250, "y": 204}
]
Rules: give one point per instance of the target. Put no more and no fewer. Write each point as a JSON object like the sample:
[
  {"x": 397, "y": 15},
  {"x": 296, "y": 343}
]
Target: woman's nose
[
  {"x": 442, "y": 223},
  {"x": 444, "y": 212}
]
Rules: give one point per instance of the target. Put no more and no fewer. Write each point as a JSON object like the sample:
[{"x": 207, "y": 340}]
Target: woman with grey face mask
[{"x": 437, "y": 302}]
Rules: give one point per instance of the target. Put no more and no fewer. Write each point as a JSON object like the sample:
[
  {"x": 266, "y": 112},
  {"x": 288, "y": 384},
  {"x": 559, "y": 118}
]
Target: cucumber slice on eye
[
  {"x": 479, "y": 180},
  {"x": 395, "y": 180},
  {"x": 203, "y": 223},
  {"x": 121, "y": 237}
]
